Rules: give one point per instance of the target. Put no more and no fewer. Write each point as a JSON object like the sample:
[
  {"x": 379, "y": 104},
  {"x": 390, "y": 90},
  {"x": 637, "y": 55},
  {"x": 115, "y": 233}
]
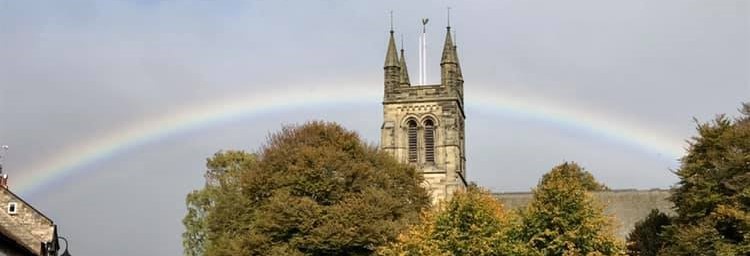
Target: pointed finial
[
  {"x": 402, "y": 42},
  {"x": 404, "y": 75},
  {"x": 455, "y": 39},
  {"x": 449, "y": 18},
  {"x": 391, "y": 13}
]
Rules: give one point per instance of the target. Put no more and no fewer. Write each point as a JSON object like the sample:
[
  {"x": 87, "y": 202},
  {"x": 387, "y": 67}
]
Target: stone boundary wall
[{"x": 628, "y": 206}]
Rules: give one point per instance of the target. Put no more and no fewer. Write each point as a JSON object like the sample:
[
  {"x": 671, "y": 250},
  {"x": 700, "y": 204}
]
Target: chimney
[
  {"x": 3, "y": 176},
  {"x": 4, "y": 181}
]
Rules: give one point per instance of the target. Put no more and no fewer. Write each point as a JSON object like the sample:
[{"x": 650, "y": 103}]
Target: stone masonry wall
[
  {"x": 445, "y": 174},
  {"x": 627, "y": 206},
  {"x": 27, "y": 224}
]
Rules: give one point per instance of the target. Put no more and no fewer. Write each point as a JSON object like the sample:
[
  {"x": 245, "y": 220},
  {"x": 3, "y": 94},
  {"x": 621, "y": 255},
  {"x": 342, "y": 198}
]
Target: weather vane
[{"x": 423, "y": 53}]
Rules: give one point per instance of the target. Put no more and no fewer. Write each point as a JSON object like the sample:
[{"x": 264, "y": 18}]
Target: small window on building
[
  {"x": 12, "y": 208},
  {"x": 412, "y": 140},
  {"x": 429, "y": 141}
]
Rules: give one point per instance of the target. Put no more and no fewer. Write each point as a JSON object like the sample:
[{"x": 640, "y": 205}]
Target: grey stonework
[
  {"x": 25, "y": 231},
  {"x": 441, "y": 104},
  {"x": 444, "y": 104},
  {"x": 626, "y": 206}
]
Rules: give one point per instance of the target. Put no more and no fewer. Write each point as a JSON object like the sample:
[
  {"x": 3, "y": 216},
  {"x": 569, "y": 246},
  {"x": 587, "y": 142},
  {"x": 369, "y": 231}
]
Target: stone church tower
[{"x": 424, "y": 124}]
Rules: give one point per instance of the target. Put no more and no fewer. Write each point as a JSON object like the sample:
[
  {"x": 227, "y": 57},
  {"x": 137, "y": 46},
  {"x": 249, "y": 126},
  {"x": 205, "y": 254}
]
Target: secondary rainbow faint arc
[{"x": 71, "y": 159}]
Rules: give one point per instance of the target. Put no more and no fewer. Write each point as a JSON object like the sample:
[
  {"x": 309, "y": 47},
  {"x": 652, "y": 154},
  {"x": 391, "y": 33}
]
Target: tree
[
  {"x": 314, "y": 189},
  {"x": 647, "y": 237},
  {"x": 471, "y": 223},
  {"x": 416, "y": 240},
  {"x": 221, "y": 179},
  {"x": 575, "y": 172},
  {"x": 564, "y": 219},
  {"x": 712, "y": 198}
]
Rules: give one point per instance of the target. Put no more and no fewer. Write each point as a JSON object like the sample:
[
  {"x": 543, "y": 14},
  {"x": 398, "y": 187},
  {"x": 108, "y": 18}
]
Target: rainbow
[{"x": 72, "y": 159}]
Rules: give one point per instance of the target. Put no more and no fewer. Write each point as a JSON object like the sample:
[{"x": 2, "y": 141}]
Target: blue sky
[{"x": 76, "y": 71}]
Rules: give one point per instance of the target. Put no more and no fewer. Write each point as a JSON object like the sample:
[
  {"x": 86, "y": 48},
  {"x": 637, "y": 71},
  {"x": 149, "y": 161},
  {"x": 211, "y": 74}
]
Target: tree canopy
[
  {"x": 472, "y": 222},
  {"x": 573, "y": 171},
  {"x": 647, "y": 237},
  {"x": 712, "y": 198},
  {"x": 221, "y": 184},
  {"x": 564, "y": 219},
  {"x": 314, "y": 189}
]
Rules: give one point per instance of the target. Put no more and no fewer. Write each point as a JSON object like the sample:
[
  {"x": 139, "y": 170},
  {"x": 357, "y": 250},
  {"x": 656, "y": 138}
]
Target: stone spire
[
  {"x": 404, "y": 72},
  {"x": 449, "y": 50},
  {"x": 455, "y": 53},
  {"x": 450, "y": 71},
  {"x": 458, "y": 64},
  {"x": 392, "y": 68},
  {"x": 391, "y": 57}
]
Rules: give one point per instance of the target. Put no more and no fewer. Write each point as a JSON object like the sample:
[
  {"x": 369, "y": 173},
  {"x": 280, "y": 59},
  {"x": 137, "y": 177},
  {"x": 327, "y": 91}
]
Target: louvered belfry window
[
  {"x": 412, "y": 134},
  {"x": 429, "y": 141}
]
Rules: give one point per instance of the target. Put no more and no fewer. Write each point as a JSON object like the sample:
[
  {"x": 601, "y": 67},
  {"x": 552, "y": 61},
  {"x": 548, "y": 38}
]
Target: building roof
[{"x": 28, "y": 227}]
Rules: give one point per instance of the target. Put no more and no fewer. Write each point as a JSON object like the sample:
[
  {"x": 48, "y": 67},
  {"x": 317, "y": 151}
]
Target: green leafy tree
[
  {"x": 314, "y": 189},
  {"x": 564, "y": 219},
  {"x": 647, "y": 237},
  {"x": 221, "y": 179},
  {"x": 712, "y": 198},
  {"x": 194, "y": 238},
  {"x": 471, "y": 223},
  {"x": 575, "y": 172}
]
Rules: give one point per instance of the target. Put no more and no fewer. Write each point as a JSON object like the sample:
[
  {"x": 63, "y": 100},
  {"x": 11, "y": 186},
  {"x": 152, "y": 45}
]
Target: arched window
[
  {"x": 429, "y": 141},
  {"x": 412, "y": 140}
]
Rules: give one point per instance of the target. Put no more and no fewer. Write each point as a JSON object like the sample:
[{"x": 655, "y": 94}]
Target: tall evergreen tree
[
  {"x": 564, "y": 219},
  {"x": 712, "y": 198}
]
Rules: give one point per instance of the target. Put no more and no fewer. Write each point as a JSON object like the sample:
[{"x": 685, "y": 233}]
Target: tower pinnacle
[
  {"x": 392, "y": 67},
  {"x": 404, "y": 72},
  {"x": 450, "y": 70},
  {"x": 391, "y": 57},
  {"x": 449, "y": 54}
]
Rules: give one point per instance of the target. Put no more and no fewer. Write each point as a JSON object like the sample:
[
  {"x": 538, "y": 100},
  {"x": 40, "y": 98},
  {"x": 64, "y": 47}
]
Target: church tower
[{"x": 423, "y": 125}]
